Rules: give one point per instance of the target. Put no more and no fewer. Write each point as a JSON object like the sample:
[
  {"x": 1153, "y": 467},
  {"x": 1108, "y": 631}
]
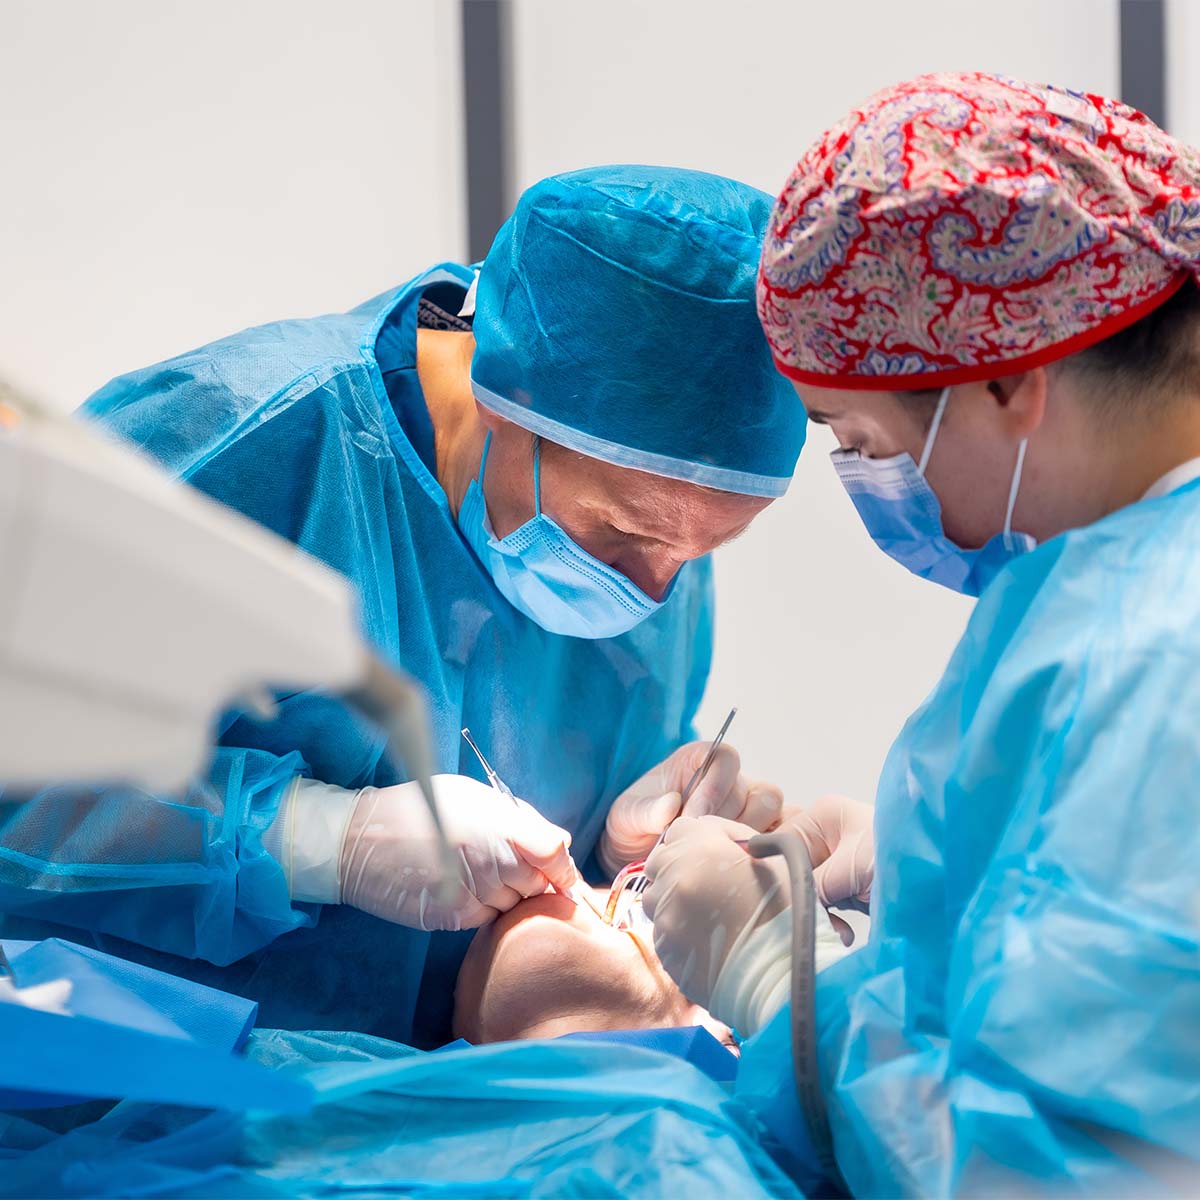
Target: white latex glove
[
  {"x": 390, "y": 863},
  {"x": 840, "y": 836},
  {"x": 706, "y": 896},
  {"x": 645, "y": 808},
  {"x": 723, "y": 924},
  {"x": 376, "y": 850}
]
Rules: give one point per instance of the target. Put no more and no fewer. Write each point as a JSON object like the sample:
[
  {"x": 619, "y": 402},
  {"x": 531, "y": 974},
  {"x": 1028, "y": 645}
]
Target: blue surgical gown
[
  {"x": 318, "y": 429},
  {"x": 1026, "y": 1013}
]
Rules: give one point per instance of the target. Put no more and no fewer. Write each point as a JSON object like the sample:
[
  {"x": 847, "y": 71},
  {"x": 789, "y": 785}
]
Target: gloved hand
[
  {"x": 723, "y": 923},
  {"x": 645, "y": 808},
  {"x": 390, "y": 865},
  {"x": 706, "y": 896},
  {"x": 840, "y": 836}
]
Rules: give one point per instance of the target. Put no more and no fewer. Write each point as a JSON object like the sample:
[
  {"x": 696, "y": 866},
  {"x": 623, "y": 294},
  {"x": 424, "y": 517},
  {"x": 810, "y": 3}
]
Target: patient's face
[{"x": 547, "y": 967}]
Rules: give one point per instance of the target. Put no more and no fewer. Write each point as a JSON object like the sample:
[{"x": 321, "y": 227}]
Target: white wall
[
  {"x": 173, "y": 172},
  {"x": 824, "y": 643},
  {"x": 1183, "y": 80},
  {"x": 176, "y": 171}
]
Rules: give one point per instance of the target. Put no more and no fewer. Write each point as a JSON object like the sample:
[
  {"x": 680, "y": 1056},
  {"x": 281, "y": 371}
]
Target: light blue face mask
[
  {"x": 546, "y": 575},
  {"x": 904, "y": 517}
]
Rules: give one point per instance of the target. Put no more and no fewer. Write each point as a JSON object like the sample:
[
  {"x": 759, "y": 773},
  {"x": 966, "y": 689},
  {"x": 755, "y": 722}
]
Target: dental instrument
[
  {"x": 639, "y": 883},
  {"x": 703, "y": 769},
  {"x": 505, "y": 790}
]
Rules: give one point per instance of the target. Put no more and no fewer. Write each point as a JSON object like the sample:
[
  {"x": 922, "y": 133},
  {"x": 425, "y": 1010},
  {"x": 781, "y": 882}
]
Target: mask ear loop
[
  {"x": 934, "y": 426},
  {"x": 537, "y": 476},
  {"x": 1016, "y": 487},
  {"x": 487, "y": 445},
  {"x": 537, "y": 472},
  {"x": 479, "y": 479},
  {"x": 803, "y": 999}
]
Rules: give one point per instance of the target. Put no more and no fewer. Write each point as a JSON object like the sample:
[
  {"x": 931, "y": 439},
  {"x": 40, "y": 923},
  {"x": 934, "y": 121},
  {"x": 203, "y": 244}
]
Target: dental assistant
[
  {"x": 987, "y": 289},
  {"x": 523, "y": 476}
]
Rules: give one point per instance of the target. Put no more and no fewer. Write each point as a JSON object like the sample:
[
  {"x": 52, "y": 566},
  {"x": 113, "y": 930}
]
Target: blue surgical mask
[
  {"x": 904, "y": 518},
  {"x": 545, "y": 574}
]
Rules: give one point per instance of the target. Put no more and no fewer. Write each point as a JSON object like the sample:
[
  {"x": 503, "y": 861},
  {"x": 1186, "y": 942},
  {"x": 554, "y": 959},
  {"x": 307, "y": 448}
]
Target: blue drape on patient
[
  {"x": 80, "y": 1027},
  {"x": 523, "y": 1119},
  {"x": 296, "y": 425}
]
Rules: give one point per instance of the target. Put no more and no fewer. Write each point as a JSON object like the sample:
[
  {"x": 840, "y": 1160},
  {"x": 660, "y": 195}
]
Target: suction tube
[{"x": 804, "y": 974}]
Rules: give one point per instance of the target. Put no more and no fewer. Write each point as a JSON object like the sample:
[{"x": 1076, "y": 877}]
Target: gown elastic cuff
[
  {"x": 753, "y": 982},
  {"x": 306, "y": 838}
]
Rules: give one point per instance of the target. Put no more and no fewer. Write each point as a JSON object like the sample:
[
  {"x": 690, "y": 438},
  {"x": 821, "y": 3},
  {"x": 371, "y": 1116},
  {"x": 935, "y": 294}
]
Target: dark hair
[
  {"x": 922, "y": 403},
  {"x": 1155, "y": 360},
  {"x": 1151, "y": 362}
]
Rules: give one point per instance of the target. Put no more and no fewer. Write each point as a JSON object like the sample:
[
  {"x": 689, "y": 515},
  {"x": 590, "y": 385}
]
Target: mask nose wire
[
  {"x": 1016, "y": 486},
  {"x": 934, "y": 426}
]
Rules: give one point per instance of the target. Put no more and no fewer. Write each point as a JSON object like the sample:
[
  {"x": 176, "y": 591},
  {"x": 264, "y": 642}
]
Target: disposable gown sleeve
[
  {"x": 188, "y": 876},
  {"x": 1047, "y": 1039},
  {"x": 244, "y": 423}
]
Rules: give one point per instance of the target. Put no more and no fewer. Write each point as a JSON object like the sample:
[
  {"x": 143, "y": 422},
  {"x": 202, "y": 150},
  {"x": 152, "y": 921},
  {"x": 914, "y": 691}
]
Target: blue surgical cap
[{"x": 615, "y": 315}]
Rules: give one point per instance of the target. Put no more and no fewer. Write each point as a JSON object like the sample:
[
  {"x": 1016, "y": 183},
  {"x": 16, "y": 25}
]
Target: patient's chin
[{"x": 719, "y": 1030}]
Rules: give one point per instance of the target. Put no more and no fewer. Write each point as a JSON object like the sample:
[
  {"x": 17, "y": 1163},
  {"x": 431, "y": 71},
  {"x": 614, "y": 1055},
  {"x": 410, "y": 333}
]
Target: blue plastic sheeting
[
  {"x": 125, "y": 993},
  {"x": 692, "y": 1043},
  {"x": 125, "y": 1031},
  {"x": 312, "y": 428},
  {"x": 1024, "y": 1014},
  {"x": 562, "y": 1118}
]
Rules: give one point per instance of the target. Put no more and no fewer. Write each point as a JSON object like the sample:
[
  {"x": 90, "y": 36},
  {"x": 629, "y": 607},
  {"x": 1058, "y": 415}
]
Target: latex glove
[
  {"x": 389, "y": 863},
  {"x": 755, "y": 981},
  {"x": 645, "y": 808},
  {"x": 707, "y": 895},
  {"x": 840, "y": 836}
]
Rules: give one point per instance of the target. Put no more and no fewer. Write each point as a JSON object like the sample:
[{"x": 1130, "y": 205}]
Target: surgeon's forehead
[
  {"x": 675, "y": 510},
  {"x": 825, "y": 406}
]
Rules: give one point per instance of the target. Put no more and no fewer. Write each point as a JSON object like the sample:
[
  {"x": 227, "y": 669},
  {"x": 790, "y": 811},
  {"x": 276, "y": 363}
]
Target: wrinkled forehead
[{"x": 643, "y": 497}]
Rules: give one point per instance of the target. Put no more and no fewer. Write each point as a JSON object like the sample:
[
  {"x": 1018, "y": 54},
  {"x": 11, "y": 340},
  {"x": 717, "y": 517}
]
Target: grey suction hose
[
  {"x": 804, "y": 973},
  {"x": 398, "y": 706}
]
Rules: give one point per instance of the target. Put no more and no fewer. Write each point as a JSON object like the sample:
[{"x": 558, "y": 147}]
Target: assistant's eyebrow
[{"x": 817, "y": 417}]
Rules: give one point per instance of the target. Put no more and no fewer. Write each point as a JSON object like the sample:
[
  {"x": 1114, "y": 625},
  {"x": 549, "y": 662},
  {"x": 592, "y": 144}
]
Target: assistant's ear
[{"x": 1022, "y": 400}]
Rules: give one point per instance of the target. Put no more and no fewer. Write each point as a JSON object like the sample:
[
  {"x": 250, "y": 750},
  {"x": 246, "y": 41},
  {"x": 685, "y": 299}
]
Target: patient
[{"x": 547, "y": 968}]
